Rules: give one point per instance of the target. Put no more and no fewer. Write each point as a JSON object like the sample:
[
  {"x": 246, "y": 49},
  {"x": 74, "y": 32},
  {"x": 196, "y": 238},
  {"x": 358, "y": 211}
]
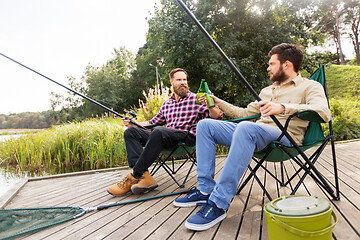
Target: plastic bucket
[{"x": 299, "y": 217}]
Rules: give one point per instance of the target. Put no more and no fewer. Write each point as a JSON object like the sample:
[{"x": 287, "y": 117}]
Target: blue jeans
[{"x": 243, "y": 138}]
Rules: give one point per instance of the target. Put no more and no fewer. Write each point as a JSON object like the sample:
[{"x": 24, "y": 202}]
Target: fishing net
[{"x": 17, "y": 222}]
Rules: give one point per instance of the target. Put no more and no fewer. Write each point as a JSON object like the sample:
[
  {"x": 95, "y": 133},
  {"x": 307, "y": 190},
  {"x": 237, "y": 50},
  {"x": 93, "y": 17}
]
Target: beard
[
  {"x": 181, "y": 90},
  {"x": 279, "y": 76}
]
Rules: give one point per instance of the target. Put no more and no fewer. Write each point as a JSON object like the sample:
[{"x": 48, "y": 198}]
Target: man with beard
[
  {"x": 288, "y": 94},
  {"x": 179, "y": 113}
]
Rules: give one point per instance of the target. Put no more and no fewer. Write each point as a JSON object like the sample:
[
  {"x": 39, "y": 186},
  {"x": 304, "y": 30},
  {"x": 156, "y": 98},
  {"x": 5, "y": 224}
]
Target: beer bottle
[
  {"x": 201, "y": 90},
  {"x": 204, "y": 89}
]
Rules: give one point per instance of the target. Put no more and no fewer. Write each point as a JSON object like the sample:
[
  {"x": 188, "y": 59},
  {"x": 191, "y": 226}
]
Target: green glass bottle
[
  {"x": 204, "y": 89},
  {"x": 201, "y": 91}
]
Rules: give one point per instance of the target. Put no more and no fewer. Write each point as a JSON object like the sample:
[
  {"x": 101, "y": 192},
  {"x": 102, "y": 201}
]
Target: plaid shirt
[{"x": 182, "y": 114}]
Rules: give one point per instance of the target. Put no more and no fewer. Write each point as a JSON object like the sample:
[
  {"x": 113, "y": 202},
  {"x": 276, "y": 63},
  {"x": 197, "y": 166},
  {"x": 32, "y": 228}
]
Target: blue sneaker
[
  {"x": 208, "y": 216},
  {"x": 193, "y": 198}
]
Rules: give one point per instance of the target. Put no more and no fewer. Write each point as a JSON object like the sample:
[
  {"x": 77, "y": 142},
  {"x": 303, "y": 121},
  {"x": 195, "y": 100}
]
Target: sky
[{"x": 59, "y": 38}]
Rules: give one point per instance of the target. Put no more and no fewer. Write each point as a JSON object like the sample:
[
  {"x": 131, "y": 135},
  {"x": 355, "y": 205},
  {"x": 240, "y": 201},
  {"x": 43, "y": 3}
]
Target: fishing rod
[
  {"x": 252, "y": 91},
  {"x": 73, "y": 91}
]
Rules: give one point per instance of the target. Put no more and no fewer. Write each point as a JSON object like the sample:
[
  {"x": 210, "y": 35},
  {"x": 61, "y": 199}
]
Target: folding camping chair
[
  {"x": 170, "y": 155},
  {"x": 276, "y": 152}
]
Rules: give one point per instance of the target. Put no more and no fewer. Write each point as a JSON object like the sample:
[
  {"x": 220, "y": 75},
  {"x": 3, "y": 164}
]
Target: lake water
[{"x": 7, "y": 180}]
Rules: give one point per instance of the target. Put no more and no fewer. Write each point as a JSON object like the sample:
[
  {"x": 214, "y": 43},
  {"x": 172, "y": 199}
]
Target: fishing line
[{"x": 73, "y": 91}]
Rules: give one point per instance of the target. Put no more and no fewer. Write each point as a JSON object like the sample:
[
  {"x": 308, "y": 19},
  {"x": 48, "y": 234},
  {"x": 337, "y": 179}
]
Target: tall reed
[
  {"x": 90, "y": 144},
  {"x": 95, "y": 143}
]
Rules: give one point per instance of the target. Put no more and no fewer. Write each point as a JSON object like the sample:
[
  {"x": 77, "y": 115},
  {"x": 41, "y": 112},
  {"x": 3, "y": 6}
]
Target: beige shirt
[{"x": 297, "y": 95}]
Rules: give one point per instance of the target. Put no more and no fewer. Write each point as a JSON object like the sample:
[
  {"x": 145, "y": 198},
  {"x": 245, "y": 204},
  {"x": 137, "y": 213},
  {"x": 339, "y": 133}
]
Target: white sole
[
  {"x": 202, "y": 227},
  {"x": 191, "y": 204}
]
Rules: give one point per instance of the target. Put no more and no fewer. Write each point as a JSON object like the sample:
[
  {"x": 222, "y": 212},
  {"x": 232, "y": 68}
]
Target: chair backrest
[{"x": 314, "y": 132}]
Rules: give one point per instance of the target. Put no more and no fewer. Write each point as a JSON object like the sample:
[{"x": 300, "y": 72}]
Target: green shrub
[{"x": 346, "y": 121}]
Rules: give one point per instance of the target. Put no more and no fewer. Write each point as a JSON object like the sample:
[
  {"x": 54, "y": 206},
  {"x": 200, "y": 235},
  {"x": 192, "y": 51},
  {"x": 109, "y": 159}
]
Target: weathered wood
[
  {"x": 11, "y": 193},
  {"x": 159, "y": 219}
]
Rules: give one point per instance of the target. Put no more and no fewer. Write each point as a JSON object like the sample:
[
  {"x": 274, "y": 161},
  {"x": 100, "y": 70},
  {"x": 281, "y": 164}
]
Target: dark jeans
[{"x": 144, "y": 146}]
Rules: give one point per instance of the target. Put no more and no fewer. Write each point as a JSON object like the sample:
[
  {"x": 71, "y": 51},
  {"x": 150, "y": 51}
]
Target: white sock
[
  {"x": 218, "y": 206},
  {"x": 204, "y": 193}
]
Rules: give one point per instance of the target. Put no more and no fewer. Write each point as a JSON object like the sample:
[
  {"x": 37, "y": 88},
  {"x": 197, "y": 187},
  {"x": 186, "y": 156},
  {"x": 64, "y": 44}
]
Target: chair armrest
[
  {"x": 309, "y": 115},
  {"x": 236, "y": 120}
]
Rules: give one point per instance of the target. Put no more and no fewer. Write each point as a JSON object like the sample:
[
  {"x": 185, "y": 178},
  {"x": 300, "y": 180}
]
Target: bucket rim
[{"x": 313, "y": 208}]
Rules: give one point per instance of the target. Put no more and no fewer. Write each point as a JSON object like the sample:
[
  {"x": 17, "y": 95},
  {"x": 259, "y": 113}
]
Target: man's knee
[
  {"x": 158, "y": 134},
  {"x": 246, "y": 128},
  {"x": 158, "y": 131},
  {"x": 129, "y": 132},
  {"x": 204, "y": 124}
]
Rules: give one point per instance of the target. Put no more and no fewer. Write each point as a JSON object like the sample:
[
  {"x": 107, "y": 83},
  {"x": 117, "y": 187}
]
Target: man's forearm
[{"x": 214, "y": 112}]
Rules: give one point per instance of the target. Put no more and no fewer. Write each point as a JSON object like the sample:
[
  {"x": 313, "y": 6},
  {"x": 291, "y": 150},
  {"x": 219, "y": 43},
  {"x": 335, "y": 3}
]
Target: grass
[
  {"x": 92, "y": 144},
  {"x": 343, "y": 81}
]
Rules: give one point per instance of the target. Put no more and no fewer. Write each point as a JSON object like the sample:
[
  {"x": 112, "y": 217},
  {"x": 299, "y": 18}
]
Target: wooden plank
[{"x": 343, "y": 230}]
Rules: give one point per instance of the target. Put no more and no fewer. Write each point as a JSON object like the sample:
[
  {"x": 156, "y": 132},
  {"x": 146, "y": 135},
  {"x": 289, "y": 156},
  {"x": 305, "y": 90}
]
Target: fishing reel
[{"x": 132, "y": 114}]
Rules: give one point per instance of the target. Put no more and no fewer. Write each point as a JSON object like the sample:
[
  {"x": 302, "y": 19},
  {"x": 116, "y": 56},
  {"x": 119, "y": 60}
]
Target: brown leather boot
[
  {"x": 122, "y": 187},
  {"x": 146, "y": 183}
]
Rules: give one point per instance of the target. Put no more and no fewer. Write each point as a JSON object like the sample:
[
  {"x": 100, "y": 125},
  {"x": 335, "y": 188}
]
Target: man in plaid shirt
[{"x": 179, "y": 113}]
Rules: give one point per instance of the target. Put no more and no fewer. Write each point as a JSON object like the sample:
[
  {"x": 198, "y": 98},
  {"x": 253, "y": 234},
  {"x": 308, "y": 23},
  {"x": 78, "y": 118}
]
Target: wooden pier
[{"x": 159, "y": 219}]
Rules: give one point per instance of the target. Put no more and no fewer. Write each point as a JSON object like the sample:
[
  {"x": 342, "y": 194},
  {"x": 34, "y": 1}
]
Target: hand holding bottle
[
  {"x": 205, "y": 92},
  {"x": 202, "y": 99}
]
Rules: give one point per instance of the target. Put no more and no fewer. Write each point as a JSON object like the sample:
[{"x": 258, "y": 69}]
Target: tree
[
  {"x": 109, "y": 84},
  {"x": 112, "y": 84},
  {"x": 331, "y": 23},
  {"x": 351, "y": 14},
  {"x": 245, "y": 29}
]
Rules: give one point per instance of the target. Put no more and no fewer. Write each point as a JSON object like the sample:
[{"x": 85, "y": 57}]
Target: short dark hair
[
  {"x": 171, "y": 74},
  {"x": 289, "y": 52}
]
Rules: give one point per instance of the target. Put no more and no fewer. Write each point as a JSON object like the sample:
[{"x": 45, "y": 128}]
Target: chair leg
[
  {"x": 189, "y": 156},
  {"x": 155, "y": 167},
  {"x": 332, "y": 140},
  {"x": 318, "y": 178},
  {"x": 170, "y": 170},
  {"x": 315, "y": 155},
  {"x": 260, "y": 184},
  {"x": 252, "y": 173},
  {"x": 187, "y": 175},
  {"x": 282, "y": 174}
]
